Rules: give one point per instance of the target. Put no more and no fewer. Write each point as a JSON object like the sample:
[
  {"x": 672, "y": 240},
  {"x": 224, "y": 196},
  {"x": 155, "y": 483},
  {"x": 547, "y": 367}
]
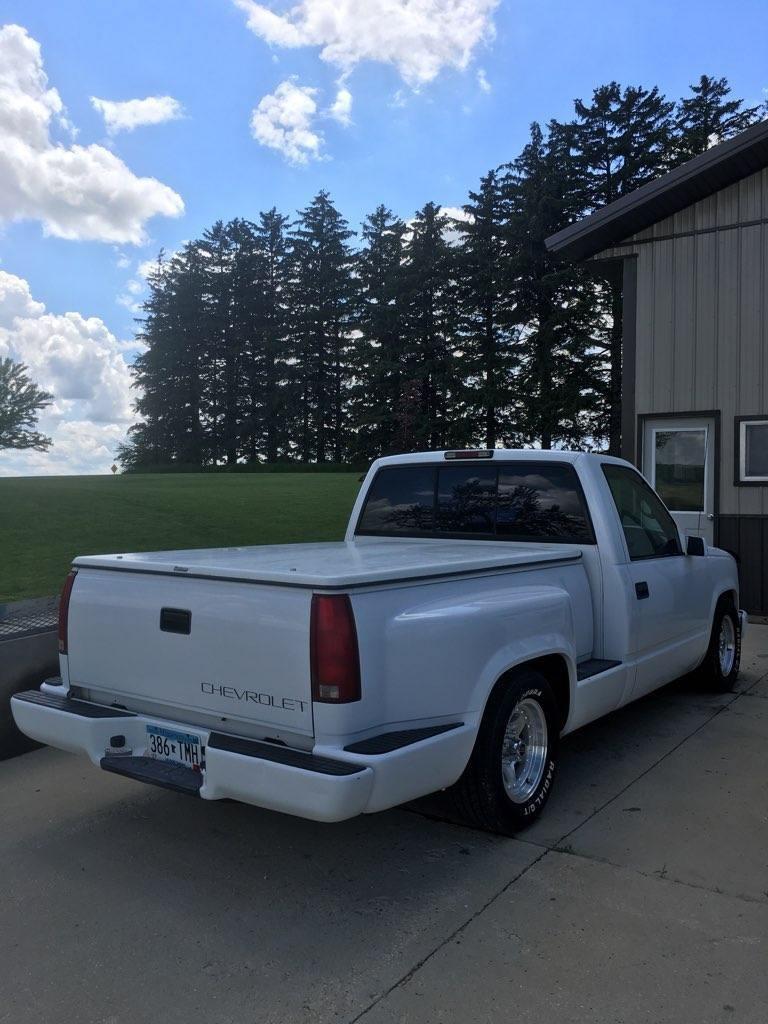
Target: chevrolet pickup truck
[{"x": 482, "y": 605}]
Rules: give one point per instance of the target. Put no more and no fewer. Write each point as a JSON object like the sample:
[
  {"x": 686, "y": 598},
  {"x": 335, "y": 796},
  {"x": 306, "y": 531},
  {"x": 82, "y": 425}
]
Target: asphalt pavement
[{"x": 641, "y": 895}]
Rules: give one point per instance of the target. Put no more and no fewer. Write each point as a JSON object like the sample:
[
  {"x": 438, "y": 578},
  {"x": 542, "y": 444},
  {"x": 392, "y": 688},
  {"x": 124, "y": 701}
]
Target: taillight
[
  {"x": 66, "y": 592},
  {"x": 334, "y": 656}
]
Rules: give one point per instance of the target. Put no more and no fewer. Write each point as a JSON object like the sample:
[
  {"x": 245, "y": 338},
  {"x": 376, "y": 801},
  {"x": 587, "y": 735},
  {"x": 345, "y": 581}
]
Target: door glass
[
  {"x": 679, "y": 468},
  {"x": 648, "y": 527}
]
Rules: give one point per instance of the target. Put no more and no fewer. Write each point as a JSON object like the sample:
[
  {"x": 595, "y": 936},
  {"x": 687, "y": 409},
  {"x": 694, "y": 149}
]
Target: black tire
[
  {"x": 712, "y": 673},
  {"x": 481, "y": 796}
]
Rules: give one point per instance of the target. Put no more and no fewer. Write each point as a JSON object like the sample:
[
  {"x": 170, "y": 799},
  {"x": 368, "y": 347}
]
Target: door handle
[{"x": 642, "y": 590}]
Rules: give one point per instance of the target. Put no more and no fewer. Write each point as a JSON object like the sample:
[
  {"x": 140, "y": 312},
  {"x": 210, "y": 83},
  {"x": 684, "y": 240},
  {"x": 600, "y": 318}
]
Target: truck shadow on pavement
[{"x": 600, "y": 760}]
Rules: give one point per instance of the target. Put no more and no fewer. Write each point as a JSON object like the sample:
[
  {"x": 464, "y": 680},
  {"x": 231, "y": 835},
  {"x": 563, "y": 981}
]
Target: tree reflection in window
[
  {"x": 541, "y": 502},
  {"x": 529, "y": 501},
  {"x": 466, "y": 501},
  {"x": 401, "y": 500}
]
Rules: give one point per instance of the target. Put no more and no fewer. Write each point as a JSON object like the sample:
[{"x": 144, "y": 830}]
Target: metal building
[{"x": 692, "y": 248}]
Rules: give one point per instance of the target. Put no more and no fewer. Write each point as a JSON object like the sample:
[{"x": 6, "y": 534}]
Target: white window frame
[
  {"x": 745, "y": 422},
  {"x": 672, "y": 430}
]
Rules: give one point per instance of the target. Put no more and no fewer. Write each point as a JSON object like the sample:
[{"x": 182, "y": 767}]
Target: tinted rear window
[
  {"x": 541, "y": 503},
  {"x": 466, "y": 500},
  {"x": 527, "y": 501},
  {"x": 401, "y": 500}
]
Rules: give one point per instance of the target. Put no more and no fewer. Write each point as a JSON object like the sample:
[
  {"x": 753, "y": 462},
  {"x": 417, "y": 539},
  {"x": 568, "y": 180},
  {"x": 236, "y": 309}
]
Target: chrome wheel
[
  {"x": 726, "y": 646},
  {"x": 524, "y": 750}
]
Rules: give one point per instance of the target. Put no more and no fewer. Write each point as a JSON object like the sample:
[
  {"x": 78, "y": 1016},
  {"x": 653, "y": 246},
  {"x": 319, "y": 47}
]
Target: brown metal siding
[
  {"x": 702, "y": 317},
  {"x": 702, "y": 342},
  {"x": 747, "y": 538}
]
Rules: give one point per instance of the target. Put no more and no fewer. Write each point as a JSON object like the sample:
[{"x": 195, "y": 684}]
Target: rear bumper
[{"x": 328, "y": 784}]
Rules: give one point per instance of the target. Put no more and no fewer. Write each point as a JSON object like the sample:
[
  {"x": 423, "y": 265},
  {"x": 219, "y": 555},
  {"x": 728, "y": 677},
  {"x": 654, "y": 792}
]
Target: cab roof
[{"x": 483, "y": 455}]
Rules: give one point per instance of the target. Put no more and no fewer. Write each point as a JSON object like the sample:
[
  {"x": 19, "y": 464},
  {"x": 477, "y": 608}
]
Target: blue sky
[{"x": 425, "y": 124}]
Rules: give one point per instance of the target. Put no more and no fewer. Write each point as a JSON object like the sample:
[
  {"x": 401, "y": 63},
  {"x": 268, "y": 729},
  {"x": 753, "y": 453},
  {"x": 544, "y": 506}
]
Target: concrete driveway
[{"x": 641, "y": 896}]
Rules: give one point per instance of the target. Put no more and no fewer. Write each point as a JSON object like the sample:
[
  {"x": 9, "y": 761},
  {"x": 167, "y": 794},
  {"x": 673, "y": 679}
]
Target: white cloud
[
  {"x": 16, "y": 300},
  {"x": 125, "y": 115},
  {"x": 450, "y": 233},
  {"x": 482, "y": 80},
  {"x": 81, "y": 447},
  {"x": 341, "y": 109},
  {"x": 81, "y": 362},
  {"x": 129, "y": 299},
  {"x": 76, "y": 192},
  {"x": 147, "y": 267},
  {"x": 283, "y": 121},
  {"x": 418, "y": 37}
]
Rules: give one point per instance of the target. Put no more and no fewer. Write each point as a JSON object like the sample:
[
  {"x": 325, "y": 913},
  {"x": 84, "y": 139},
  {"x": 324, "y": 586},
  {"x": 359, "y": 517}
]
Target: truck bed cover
[{"x": 342, "y": 565}]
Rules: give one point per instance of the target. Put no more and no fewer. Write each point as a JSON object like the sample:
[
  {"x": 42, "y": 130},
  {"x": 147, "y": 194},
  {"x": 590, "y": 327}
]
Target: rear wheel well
[
  {"x": 728, "y": 597},
  {"x": 555, "y": 668}
]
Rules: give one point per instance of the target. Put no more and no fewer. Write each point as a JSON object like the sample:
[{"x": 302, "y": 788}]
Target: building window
[
  {"x": 752, "y": 450},
  {"x": 680, "y": 467}
]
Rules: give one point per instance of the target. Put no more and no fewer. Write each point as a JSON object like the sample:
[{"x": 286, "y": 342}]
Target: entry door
[{"x": 679, "y": 460}]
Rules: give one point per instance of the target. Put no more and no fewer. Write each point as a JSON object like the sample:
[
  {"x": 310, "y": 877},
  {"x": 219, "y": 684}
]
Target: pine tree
[
  {"x": 272, "y": 328},
  {"x": 558, "y": 377},
  {"x": 709, "y": 116},
  {"x": 171, "y": 373},
  {"x": 320, "y": 300},
  {"x": 431, "y": 360},
  {"x": 486, "y": 296},
  {"x": 223, "y": 364},
  {"x": 619, "y": 141},
  {"x": 380, "y": 321}
]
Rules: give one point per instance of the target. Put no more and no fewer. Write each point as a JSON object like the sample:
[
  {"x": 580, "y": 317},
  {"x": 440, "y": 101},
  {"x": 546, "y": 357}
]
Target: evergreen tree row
[{"x": 277, "y": 340}]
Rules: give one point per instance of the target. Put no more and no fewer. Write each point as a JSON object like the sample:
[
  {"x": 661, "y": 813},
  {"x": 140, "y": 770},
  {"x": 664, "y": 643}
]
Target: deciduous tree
[{"x": 21, "y": 401}]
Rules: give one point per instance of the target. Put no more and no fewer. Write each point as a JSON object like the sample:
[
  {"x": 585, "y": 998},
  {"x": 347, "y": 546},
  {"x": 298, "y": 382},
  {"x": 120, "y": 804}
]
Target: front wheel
[
  {"x": 512, "y": 768},
  {"x": 720, "y": 667}
]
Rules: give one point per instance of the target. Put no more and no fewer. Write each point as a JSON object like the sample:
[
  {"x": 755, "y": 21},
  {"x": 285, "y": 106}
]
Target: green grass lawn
[{"x": 46, "y": 521}]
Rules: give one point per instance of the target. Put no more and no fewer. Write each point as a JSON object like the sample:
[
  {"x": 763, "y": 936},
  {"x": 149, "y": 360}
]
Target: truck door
[{"x": 669, "y": 591}]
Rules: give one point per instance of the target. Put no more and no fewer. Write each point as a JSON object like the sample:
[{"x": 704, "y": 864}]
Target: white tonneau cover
[{"x": 339, "y": 565}]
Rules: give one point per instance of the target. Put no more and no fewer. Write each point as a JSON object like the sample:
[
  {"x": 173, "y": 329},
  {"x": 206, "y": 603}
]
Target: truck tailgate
[{"x": 232, "y": 651}]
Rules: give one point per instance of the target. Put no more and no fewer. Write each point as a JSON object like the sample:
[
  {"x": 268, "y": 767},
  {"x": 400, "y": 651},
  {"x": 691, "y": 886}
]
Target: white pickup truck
[{"x": 482, "y": 605}]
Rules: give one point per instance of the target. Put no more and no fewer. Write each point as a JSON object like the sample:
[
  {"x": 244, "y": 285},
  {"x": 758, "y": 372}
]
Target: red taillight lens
[
  {"x": 333, "y": 650},
  {"x": 66, "y": 592}
]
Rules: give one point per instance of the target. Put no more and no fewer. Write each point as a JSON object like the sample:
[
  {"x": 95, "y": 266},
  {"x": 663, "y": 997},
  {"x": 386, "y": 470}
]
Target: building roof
[{"x": 706, "y": 174}]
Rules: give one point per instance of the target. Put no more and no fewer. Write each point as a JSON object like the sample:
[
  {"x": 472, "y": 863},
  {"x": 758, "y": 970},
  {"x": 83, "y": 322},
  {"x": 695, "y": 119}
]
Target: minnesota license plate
[{"x": 170, "y": 745}]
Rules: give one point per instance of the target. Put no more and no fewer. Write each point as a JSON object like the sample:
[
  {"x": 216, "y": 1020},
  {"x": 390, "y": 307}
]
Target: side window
[
  {"x": 541, "y": 502},
  {"x": 466, "y": 500},
  {"x": 401, "y": 500},
  {"x": 649, "y": 529}
]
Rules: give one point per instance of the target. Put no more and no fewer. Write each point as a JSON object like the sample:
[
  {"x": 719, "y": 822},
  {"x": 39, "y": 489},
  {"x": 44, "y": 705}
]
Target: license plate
[{"x": 170, "y": 745}]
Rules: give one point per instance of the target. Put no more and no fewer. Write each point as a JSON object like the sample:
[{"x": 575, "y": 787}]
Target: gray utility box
[{"x": 28, "y": 655}]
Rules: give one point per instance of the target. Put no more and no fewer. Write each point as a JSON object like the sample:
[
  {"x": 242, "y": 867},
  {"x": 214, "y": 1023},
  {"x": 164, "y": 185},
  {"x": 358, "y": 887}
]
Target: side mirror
[{"x": 695, "y": 546}]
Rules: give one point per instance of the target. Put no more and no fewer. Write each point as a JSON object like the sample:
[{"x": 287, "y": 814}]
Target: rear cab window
[{"x": 517, "y": 501}]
